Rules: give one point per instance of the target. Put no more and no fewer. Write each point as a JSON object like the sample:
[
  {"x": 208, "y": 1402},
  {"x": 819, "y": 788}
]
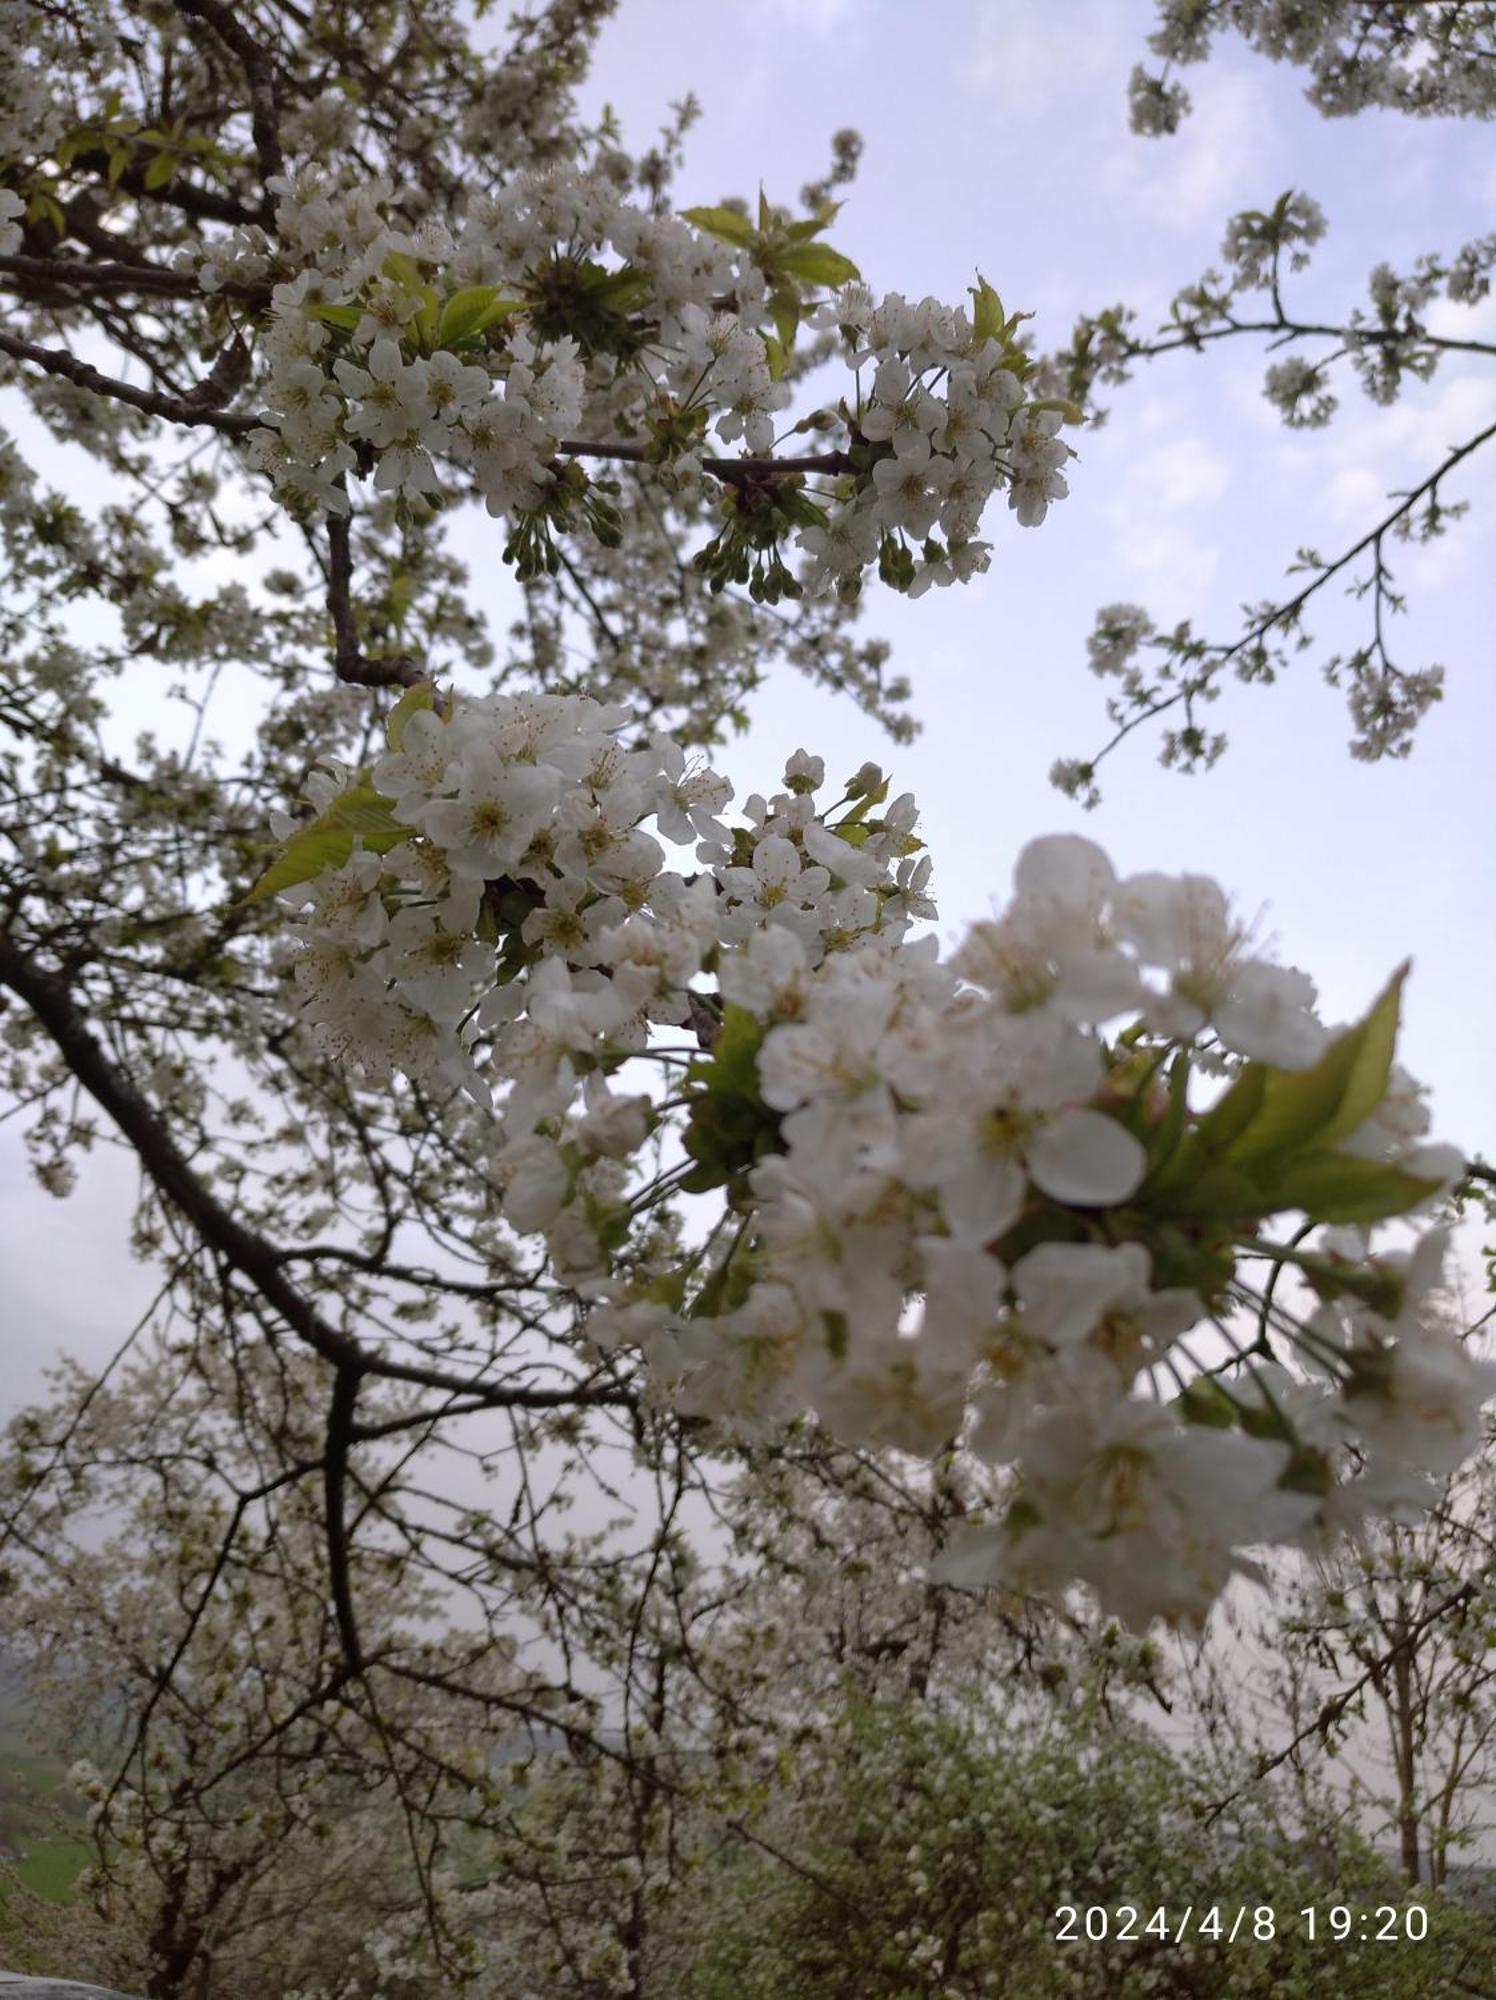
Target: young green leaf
[
  {"x": 1342, "y": 1187},
  {"x": 414, "y": 699},
  {"x": 472, "y": 311},
  {"x": 360, "y": 813},
  {"x": 987, "y": 316},
  {"x": 725, "y": 223},
  {"x": 818, "y": 264},
  {"x": 1325, "y": 1103}
]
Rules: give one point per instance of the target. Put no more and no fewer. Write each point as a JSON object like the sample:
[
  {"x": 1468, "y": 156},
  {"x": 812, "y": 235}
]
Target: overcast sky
[{"x": 996, "y": 138}]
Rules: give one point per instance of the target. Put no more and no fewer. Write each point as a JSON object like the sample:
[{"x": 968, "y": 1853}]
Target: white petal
[
  {"x": 1085, "y": 1157},
  {"x": 1065, "y": 866}
]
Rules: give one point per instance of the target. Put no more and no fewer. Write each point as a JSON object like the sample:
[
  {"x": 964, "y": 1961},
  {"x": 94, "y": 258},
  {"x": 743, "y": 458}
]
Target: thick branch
[
  {"x": 208, "y": 204},
  {"x": 109, "y": 275},
  {"x": 349, "y": 660},
  {"x": 259, "y": 68},
  {"x": 175, "y": 409},
  {"x": 250, "y": 1254}
]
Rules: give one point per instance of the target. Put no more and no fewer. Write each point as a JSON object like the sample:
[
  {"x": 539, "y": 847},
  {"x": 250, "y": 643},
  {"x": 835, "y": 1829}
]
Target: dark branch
[
  {"x": 350, "y": 662},
  {"x": 255, "y": 1258},
  {"x": 719, "y": 468},
  {"x": 110, "y": 275},
  {"x": 259, "y": 68},
  {"x": 175, "y": 409},
  {"x": 341, "y": 1414}
]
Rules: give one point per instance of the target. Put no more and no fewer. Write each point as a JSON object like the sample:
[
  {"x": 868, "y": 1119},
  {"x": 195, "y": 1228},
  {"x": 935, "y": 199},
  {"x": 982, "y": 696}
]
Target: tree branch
[
  {"x": 1335, "y": 1708},
  {"x": 350, "y": 662},
  {"x": 719, "y": 468},
  {"x": 175, "y": 409},
  {"x": 255, "y": 1258},
  {"x": 259, "y": 68},
  {"x": 341, "y": 1415},
  {"x": 110, "y": 275}
]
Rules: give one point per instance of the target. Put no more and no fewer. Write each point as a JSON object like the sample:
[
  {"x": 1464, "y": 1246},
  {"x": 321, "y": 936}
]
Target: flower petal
[{"x": 1085, "y": 1157}]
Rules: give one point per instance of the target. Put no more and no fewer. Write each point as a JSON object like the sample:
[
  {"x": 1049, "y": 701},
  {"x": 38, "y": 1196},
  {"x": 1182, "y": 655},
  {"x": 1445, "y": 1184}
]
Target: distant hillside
[{"x": 41, "y": 1823}]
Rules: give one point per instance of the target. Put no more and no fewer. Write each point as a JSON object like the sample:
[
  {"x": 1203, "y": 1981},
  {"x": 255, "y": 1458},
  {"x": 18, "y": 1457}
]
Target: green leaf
[
  {"x": 818, "y": 264},
  {"x": 425, "y": 322},
  {"x": 1371, "y": 1063},
  {"x": 804, "y": 232},
  {"x": 1233, "y": 1112},
  {"x": 987, "y": 317},
  {"x": 44, "y": 207},
  {"x": 472, "y": 311},
  {"x": 1195, "y": 1154},
  {"x": 774, "y": 349},
  {"x": 1071, "y": 412},
  {"x": 785, "y": 308},
  {"x": 725, "y": 223},
  {"x": 1197, "y": 1191},
  {"x": 1202, "y": 1401},
  {"x": 412, "y": 702},
  {"x": 625, "y": 291},
  {"x": 1308, "y": 1470},
  {"x": 730, "y": 1126},
  {"x": 346, "y": 317},
  {"x": 1326, "y": 1103},
  {"x": 731, "y": 1068},
  {"x": 327, "y": 842},
  {"x": 765, "y": 213},
  {"x": 404, "y": 270},
  {"x": 1163, "y": 1141},
  {"x": 161, "y": 171},
  {"x": 1340, "y": 1187}
]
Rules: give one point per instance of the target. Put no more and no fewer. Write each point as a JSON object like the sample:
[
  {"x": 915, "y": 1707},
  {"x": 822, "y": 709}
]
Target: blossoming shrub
[{"x": 939, "y": 1851}]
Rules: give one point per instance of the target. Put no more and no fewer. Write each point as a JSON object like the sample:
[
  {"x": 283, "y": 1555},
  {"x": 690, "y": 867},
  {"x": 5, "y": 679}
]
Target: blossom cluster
[
  {"x": 1427, "y": 58},
  {"x": 34, "y": 54},
  {"x": 528, "y": 816},
  {"x": 952, "y": 413},
  {"x": 467, "y": 357},
  {"x": 958, "y": 1204}
]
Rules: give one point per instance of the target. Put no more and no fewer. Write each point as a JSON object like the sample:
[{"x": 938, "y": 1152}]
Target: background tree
[{"x": 1373, "y": 1675}]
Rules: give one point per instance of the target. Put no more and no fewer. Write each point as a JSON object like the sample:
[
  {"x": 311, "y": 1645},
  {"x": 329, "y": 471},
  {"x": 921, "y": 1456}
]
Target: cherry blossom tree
[{"x": 506, "y": 1105}]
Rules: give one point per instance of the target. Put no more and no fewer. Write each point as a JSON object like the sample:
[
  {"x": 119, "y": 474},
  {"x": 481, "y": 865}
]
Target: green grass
[
  {"x": 29, "y": 1770},
  {"x": 52, "y": 1867},
  {"x": 35, "y": 1808}
]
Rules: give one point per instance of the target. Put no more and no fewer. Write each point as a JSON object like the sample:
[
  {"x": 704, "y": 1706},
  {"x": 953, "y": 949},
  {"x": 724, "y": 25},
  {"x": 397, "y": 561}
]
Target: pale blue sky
[{"x": 996, "y": 137}]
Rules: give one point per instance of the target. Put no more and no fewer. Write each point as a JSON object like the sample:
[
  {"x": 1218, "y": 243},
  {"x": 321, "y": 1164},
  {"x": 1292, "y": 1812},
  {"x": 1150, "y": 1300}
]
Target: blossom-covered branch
[
  {"x": 957, "y": 1207},
  {"x": 1388, "y": 346}
]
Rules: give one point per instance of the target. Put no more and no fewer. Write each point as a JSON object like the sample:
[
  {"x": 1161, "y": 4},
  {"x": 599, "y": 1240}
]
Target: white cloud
[
  {"x": 1031, "y": 58},
  {"x": 1169, "y": 560},
  {"x": 1187, "y": 472}
]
